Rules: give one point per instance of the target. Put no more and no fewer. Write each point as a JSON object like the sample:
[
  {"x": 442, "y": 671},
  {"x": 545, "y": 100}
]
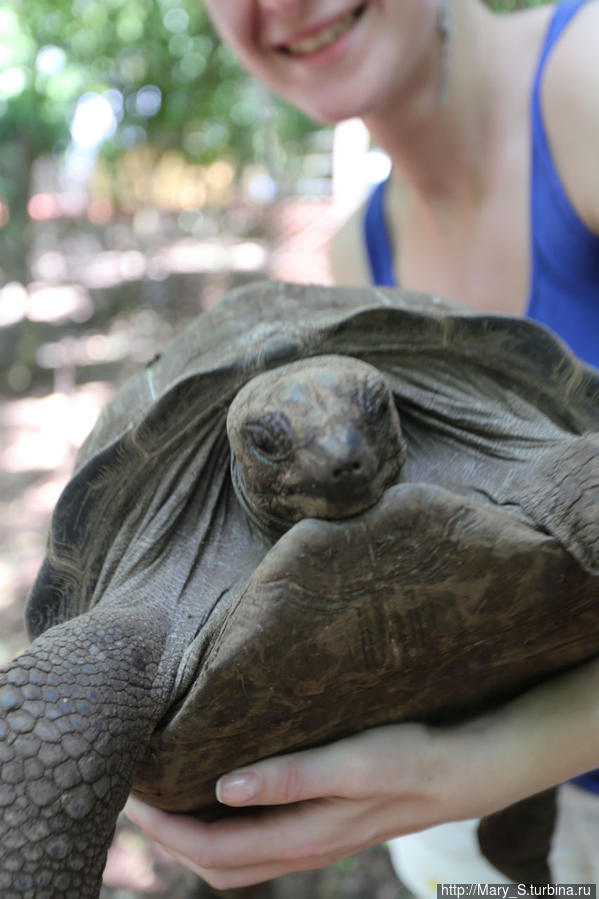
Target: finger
[
  {"x": 336, "y": 770},
  {"x": 182, "y": 837},
  {"x": 166, "y": 828},
  {"x": 288, "y": 836}
]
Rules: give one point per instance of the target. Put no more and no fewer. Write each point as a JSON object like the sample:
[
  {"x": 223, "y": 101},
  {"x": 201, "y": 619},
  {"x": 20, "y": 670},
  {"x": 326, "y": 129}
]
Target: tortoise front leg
[
  {"x": 563, "y": 496},
  {"x": 76, "y": 711}
]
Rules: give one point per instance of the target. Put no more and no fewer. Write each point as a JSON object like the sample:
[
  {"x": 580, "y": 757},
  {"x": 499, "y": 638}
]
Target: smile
[{"x": 328, "y": 35}]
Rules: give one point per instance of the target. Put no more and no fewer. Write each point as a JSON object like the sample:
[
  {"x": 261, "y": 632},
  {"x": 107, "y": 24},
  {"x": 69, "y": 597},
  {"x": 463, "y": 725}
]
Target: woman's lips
[{"x": 322, "y": 38}]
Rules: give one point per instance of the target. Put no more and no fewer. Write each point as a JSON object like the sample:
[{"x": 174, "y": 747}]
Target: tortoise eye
[
  {"x": 376, "y": 405},
  {"x": 269, "y": 437}
]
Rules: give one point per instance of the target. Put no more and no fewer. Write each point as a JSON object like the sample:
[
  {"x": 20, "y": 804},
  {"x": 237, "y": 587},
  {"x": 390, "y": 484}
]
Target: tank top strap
[{"x": 377, "y": 240}]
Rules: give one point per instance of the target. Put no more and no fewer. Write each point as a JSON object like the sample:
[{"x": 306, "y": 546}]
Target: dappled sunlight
[
  {"x": 138, "y": 867},
  {"x": 110, "y": 268},
  {"x": 5, "y": 579},
  {"x": 189, "y": 255},
  {"x": 67, "y": 302},
  {"x": 42, "y": 433},
  {"x": 26, "y": 505},
  {"x": 45, "y": 206},
  {"x": 42, "y": 303},
  {"x": 13, "y": 303},
  {"x": 43, "y": 495},
  {"x": 130, "y": 865},
  {"x": 39, "y": 437},
  {"x": 144, "y": 176},
  {"x": 122, "y": 342}
]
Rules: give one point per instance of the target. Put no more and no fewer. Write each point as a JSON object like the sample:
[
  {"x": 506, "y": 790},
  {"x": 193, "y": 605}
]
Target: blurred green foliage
[
  {"x": 54, "y": 52},
  {"x": 512, "y": 5},
  {"x": 168, "y": 79}
]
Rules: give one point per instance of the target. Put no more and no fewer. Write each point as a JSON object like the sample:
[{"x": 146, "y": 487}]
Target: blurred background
[{"x": 142, "y": 175}]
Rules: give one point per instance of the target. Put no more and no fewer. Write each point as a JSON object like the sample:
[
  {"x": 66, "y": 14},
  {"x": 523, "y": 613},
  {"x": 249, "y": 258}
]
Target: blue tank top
[{"x": 564, "y": 291}]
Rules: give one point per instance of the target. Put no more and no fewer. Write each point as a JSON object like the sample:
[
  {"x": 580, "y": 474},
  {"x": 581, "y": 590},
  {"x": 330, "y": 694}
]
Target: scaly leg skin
[
  {"x": 76, "y": 711},
  {"x": 563, "y": 496}
]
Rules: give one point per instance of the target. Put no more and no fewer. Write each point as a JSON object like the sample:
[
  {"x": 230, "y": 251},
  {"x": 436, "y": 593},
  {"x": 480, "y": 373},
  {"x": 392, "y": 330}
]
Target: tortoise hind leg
[
  {"x": 517, "y": 839},
  {"x": 76, "y": 710}
]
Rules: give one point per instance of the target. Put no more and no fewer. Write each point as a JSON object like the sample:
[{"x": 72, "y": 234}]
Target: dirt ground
[
  {"x": 138, "y": 868},
  {"x": 38, "y": 438},
  {"x": 41, "y": 426}
]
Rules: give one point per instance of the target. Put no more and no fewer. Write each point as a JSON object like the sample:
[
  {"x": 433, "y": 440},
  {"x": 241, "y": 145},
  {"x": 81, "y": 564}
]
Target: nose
[
  {"x": 347, "y": 470},
  {"x": 340, "y": 472},
  {"x": 344, "y": 462}
]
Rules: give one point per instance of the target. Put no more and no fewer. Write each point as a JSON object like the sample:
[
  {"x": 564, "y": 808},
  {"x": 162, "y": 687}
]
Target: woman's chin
[{"x": 338, "y": 108}]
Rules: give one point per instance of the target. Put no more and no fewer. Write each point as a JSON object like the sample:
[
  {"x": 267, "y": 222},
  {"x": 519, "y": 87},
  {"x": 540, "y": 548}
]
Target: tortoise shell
[{"x": 473, "y": 578}]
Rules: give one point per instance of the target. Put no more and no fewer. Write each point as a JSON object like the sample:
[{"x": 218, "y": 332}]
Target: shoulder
[
  {"x": 571, "y": 112},
  {"x": 347, "y": 252}
]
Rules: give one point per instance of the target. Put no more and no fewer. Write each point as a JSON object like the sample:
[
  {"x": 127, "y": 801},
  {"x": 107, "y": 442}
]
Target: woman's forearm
[{"x": 542, "y": 738}]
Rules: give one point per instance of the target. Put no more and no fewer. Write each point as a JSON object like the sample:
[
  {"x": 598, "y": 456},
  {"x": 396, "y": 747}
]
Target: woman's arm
[
  {"x": 571, "y": 112},
  {"x": 339, "y": 799}
]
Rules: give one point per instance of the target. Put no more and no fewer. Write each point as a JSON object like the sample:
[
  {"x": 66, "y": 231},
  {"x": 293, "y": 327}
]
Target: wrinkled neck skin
[{"x": 270, "y": 526}]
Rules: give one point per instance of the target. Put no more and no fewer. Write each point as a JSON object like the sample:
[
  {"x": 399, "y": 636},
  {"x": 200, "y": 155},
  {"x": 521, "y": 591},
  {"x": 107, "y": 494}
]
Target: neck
[
  {"x": 439, "y": 129},
  {"x": 271, "y": 526}
]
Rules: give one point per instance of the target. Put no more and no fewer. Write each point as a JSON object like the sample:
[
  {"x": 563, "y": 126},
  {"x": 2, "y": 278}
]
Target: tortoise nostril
[{"x": 348, "y": 470}]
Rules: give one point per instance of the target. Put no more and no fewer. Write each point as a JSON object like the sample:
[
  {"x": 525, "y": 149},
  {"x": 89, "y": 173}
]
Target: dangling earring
[
  {"x": 444, "y": 29},
  {"x": 266, "y": 132}
]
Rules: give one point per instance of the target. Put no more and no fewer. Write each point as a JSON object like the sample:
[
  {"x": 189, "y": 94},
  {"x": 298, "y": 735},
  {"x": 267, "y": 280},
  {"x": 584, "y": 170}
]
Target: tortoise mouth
[
  {"x": 346, "y": 497},
  {"x": 331, "y": 502}
]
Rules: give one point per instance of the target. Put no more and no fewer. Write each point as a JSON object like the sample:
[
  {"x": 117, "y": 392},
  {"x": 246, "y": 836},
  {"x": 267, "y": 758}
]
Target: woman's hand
[
  {"x": 326, "y": 803},
  {"x": 323, "y": 803}
]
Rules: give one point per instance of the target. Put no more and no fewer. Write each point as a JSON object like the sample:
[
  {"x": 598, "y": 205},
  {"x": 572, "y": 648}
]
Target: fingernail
[
  {"x": 234, "y": 789},
  {"x": 138, "y": 811}
]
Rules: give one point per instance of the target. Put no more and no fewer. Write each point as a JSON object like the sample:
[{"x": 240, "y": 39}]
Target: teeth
[{"x": 323, "y": 38}]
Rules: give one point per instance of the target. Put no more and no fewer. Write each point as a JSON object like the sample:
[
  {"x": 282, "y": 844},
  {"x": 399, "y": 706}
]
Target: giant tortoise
[{"x": 320, "y": 510}]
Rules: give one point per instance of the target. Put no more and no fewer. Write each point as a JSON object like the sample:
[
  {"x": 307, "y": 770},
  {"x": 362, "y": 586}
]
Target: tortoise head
[{"x": 319, "y": 438}]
